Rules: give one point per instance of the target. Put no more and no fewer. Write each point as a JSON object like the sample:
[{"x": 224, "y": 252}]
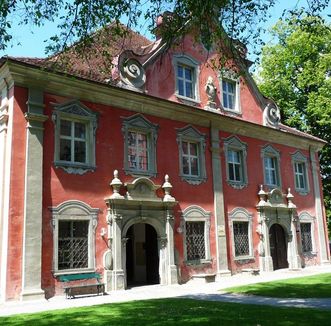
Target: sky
[{"x": 29, "y": 41}]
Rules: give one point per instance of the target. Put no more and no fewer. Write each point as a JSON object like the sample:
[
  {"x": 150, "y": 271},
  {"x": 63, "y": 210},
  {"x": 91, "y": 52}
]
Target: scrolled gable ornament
[{"x": 271, "y": 115}]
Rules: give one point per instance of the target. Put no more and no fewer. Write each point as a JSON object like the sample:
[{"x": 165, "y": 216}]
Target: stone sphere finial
[{"x": 116, "y": 184}]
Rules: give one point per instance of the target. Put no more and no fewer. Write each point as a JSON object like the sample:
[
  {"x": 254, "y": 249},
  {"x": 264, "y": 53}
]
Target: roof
[
  {"x": 99, "y": 60},
  {"x": 93, "y": 61}
]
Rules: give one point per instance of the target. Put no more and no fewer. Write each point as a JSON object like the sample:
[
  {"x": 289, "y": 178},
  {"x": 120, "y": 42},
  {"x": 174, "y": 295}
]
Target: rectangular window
[
  {"x": 300, "y": 176},
  {"x": 137, "y": 151},
  {"x": 229, "y": 94},
  {"x": 306, "y": 239},
  {"x": 235, "y": 165},
  {"x": 195, "y": 240},
  {"x": 190, "y": 158},
  {"x": 270, "y": 170},
  {"x": 185, "y": 81},
  {"x": 73, "y": 141},
  {"x": 73, "y": 244},
  {"x": 241, "y": 239}
]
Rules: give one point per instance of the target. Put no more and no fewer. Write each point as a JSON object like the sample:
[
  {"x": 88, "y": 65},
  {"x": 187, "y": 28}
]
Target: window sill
[
  {"x": 193, "y": 180},
  {"x": 73, "y": 271},
  {"x": 302, "y": 192},
  {"x": 188, "y": 100},
  {"x": 136, "y": 173},
  {"x": 309, "y": 254},
  {"x": 244, "y": 258},
  {"x": 197, "y": 262},
  {"x": 237, "y": 185},
  {"x": 73, "y": 168}
]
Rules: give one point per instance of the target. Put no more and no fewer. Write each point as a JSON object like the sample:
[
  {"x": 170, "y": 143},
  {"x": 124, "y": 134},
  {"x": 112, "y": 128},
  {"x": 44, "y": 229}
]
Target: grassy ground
[
  {"x": 174, "y": 312},
  {"x": 317, "y": 286}
]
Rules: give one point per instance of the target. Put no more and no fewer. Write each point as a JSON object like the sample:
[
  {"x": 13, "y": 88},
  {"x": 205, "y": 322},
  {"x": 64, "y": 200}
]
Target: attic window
[
  {"x": 230, "y": 91},
  {"x": 186, "y": 78}
]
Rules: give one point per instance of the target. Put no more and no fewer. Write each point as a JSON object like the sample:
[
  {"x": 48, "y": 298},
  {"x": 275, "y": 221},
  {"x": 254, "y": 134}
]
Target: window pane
[
  {"x": 225, "y": 100},
  {"x": 195, "y": 240},
  {"x": 241, "y": 239},
  {"x": 181, "y": 87},
  {"x": 194, "y": 166},
  {"x": 188, "y": 73},
  {"x": 80, "y": 151},
  {"x": 131, "y": 138},
  {"x": 65, "y": 150},
  {"x": 65, "y": 128},
  {"x": 185, "y": 146},
  {"x": 186, "y": 168},
  {"x": 180, "y": 71},
  {"x": 80, "y": 130},
  {"x": 193, "y": 149},
  {"x": 188, "y": 89}
]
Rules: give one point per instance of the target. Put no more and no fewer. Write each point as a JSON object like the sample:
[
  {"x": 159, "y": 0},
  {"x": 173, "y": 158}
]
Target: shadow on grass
[{"x": 178, "y": 311}]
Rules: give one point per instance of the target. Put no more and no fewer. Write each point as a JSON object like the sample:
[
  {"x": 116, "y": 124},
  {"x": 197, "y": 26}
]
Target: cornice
[{"x": 73, "y": 87}]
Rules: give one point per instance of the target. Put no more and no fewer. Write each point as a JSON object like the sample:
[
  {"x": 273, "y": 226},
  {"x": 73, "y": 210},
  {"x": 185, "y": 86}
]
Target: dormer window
[
  {"x": 185, "y": 80},
  {"x": 230, "y": 91},
  {"x": 186, "y": 75}
]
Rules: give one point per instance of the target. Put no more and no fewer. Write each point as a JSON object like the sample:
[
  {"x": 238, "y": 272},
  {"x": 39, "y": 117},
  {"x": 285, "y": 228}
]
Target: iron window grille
[
  {"x": 73, "y": 244},
  {"x": 306, "y": 238},
  {"x": 241, "y": 238},
  {"x": 195, "y": 241}
]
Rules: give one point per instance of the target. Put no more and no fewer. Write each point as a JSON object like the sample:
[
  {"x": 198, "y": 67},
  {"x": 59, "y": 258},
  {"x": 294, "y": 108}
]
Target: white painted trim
[
  {"x": 74, "y": 210},
  {"x": 4, "y": 210},
  {"x": 242, "y": 215}
]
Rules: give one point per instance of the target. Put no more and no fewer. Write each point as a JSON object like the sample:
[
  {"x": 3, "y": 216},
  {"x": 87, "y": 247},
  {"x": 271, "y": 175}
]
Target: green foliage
[
  {"x": 77, "y": 19},
  {"x": 174, "y": 312},
  {"x": 296, "y": 73},
  {"x": 317, "y": 286}
]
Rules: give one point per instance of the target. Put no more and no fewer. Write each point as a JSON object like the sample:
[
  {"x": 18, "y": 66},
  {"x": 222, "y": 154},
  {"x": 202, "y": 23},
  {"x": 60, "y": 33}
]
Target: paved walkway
[{"x": 196, "y": 290}]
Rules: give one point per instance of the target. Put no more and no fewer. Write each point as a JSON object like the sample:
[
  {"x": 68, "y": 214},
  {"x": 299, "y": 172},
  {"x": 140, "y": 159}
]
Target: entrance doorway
[
  {"x": 142, "y": 255},
  {"x": 278, "y": 246}
]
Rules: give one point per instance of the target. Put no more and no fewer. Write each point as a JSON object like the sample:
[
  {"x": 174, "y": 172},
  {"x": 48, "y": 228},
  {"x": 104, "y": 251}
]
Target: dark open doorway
[
  {"x": 142, "y": 255},
  {"x": 278, "y": 246}
]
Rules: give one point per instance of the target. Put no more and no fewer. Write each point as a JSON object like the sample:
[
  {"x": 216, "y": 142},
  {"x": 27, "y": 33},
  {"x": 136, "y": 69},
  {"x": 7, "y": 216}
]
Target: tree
[
  {"x": 296, "y": 73},
  {"x": 78, "y": 19}
]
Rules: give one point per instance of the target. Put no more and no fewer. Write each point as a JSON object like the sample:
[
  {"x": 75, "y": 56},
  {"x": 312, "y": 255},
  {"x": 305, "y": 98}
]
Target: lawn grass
[
  {"x": 173, "y": 312},
  {"x": 316, "y": 286}
]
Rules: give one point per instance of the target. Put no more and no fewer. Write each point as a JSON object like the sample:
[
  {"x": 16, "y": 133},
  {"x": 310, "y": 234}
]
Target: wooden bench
[{"x": 74, "y": 290}]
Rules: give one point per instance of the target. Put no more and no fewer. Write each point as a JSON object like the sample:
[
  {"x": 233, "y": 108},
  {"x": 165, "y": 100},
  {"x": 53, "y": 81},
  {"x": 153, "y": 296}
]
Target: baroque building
[{"x": 166, "y": 169}]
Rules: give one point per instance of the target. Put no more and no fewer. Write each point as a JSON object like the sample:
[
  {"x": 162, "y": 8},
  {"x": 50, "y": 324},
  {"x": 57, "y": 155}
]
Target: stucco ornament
[
  {"x": 211, "y": 90},
  {"x": 271, "y": 115},
  {"x": 132, "y": 74}
]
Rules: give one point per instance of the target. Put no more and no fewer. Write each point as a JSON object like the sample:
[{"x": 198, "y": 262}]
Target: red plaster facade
[{"x": 157, "y": 102}]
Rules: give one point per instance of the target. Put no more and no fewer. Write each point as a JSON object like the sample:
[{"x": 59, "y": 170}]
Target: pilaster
[
  {"x": 32, "y": 236},
  {"x": 219, "y": 213},
  {"x": 5, "y": 149},
  {"x": 172, "y": 277},
  {"x": 323, "y": 251}
]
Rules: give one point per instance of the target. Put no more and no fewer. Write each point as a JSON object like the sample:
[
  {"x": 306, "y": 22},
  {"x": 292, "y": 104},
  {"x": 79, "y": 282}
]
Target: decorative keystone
[
  {"x": 167, "y": 188},
  {"x": 116, "y": 184},
  {"x": 290, "y": 199}
]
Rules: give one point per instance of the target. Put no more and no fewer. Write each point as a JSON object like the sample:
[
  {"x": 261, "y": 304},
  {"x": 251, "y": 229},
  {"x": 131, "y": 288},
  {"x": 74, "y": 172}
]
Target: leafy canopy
[
  {"x": 296, "y": 73},
  {"x": 77, "y": 19}
]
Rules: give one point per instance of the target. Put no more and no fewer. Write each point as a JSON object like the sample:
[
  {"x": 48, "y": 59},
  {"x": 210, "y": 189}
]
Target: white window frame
[
  {"x": 187, "y": 61},
  {"x": 270, "y": 152},
  {"x": 233, "y": 143},
  {"x": 305, "y": 217},
  {"x": 299, "y": 158},
  {"x": 74, "y": 210},
  {"x": 197, "y": 214},
  {"x": 139, "y": 124},
  {"x": 74, "y": 111},
  {"x": 190, "y": 134},
  {"x": 230, "y": 76},
  {"x": 240, "y": 214}
]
